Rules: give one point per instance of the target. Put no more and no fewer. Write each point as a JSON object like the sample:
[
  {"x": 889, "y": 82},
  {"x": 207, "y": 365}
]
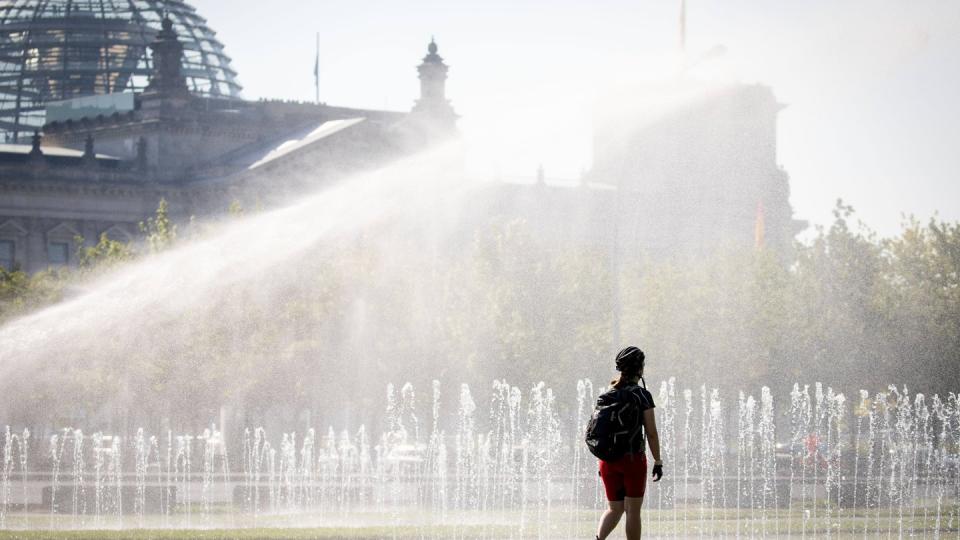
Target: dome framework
[{"x": 53, "y": 50}]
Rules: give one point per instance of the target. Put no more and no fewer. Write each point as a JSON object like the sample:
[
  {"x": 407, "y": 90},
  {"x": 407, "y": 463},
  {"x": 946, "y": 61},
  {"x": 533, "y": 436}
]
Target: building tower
[
  {"x": 167, "y": 51},
  {"x": 433, "y": 108}
]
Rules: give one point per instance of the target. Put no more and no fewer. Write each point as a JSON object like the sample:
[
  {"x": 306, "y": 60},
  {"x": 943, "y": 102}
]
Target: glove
[{"x": 657, "y": 473}]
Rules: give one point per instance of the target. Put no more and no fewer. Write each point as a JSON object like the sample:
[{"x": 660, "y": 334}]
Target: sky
[{"x": 871, "y": 87}]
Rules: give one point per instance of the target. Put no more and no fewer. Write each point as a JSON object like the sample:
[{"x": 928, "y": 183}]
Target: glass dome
[{"x": 52, "y": 50}]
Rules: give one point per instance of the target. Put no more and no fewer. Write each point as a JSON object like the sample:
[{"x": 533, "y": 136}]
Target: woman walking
[{"x": 616, "y": 434}]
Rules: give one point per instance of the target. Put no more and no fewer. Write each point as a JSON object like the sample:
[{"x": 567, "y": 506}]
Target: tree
[
  {"x": 21, "y": 293},
  {"x": 159, "y": 231},
  {"x": 105, "y": 253},
  {"x": 923, "y": 307}
]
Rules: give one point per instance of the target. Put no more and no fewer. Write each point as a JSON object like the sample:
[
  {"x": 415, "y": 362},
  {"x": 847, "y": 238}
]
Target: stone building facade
[
  {"x": 104, "y": 174},
  {"x": 697, "y": 165},
  {"x": 679, "y": 169}
]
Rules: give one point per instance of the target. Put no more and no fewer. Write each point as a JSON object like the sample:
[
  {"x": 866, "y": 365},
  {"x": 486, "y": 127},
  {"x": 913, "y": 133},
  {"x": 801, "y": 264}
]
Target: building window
[
  {"x": 6, "y": 254},
  {"x": 57, "y": 253}
]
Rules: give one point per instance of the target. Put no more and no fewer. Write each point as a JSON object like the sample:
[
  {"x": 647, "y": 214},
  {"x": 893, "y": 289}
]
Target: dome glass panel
[{"x": 54, "y": 50}]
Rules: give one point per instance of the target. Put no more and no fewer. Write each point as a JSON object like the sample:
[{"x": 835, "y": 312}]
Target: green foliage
[
  {"x": 847, "y": 308},
  {"x": 159, "y": 231},
  {"x": 104, "y": 253},
  {"x": 21, "y": 292},
  {"x": 236, "y": 208}
]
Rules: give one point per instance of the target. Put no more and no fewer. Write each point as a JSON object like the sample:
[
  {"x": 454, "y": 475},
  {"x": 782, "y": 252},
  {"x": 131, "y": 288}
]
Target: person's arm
[
  {"x": 650, "y": 426},
  {"x": 653, "y": 439}
]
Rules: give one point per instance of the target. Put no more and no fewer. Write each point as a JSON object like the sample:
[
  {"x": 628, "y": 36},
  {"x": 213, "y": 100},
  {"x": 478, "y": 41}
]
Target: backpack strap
[
  {"x": 643, "y": 396},
  {"x": 640, "y": 401}
]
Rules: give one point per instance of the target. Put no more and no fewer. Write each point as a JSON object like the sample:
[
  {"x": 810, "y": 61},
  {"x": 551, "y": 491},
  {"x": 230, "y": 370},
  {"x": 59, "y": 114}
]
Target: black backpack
[{"x": 616, "y": 427}]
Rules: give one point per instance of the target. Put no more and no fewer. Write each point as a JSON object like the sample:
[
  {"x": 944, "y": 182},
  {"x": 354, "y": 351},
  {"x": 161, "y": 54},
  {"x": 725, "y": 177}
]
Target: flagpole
[{"x": 316, "y": 72}]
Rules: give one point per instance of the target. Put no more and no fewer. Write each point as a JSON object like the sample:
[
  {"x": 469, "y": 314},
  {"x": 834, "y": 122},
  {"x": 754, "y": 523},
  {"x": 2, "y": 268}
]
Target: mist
[{"x": 406, "y": 332}]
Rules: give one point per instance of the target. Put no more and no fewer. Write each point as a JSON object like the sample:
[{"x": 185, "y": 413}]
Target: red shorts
[{"x": 625, "y": 477}]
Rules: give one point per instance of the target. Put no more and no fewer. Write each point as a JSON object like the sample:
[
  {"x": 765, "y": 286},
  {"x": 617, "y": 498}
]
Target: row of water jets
[{"x": 817, "y": 468}]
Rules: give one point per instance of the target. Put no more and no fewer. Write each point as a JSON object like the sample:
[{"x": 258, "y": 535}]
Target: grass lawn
[
  {"x": 562, "y": 525},
  {"x": 238, "y": 534}
]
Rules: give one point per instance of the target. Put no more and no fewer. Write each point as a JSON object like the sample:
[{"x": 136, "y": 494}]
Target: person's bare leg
[
  {"x": 610, "y": 518},
  {"x": 632, "y": 506}
]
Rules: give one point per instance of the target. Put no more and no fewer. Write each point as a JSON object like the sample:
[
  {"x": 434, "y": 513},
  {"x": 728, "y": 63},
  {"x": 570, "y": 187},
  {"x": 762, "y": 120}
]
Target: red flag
[{"x": 759, "y": 227}]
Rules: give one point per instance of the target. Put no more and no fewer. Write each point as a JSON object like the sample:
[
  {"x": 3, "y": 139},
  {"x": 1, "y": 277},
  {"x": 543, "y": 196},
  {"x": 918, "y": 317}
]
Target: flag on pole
[
  {"x": 316, "y": 71},
  {"x": 759, "y": 227}
]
